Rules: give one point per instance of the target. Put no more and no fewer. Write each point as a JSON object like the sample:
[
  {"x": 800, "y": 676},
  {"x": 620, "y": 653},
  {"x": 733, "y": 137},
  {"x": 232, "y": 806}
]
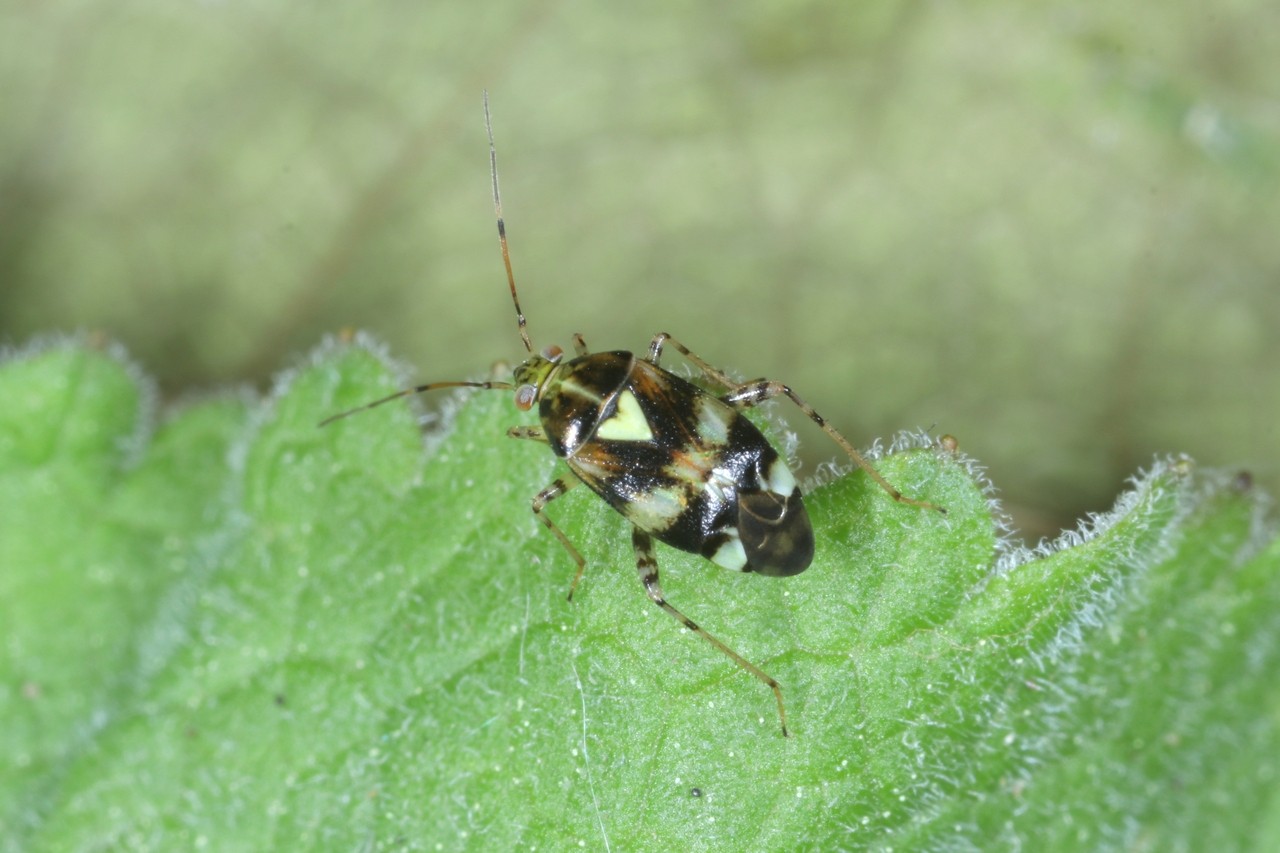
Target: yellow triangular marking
[{"x": 628, "y": 423}]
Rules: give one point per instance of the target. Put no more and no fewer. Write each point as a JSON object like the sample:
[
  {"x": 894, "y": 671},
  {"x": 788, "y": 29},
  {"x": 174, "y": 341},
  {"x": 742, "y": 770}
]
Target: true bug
[{"x": 680, "y": 463}]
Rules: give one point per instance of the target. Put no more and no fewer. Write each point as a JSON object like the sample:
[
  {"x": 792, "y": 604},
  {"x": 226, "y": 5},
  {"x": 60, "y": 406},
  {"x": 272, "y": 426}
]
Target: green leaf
[{"x": 245, "y": 632}]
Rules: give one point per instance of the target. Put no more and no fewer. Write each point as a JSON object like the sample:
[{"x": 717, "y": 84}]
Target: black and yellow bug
[{"x": 681, "y": 464}]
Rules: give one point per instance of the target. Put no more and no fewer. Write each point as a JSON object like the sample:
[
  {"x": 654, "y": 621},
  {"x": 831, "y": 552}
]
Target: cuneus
[{"x": 679, "y": 461}]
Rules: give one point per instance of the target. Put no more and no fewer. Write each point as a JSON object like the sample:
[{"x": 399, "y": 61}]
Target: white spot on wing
[
  {"x": 656, "y": 511},
  {"x": 713, "y": 421},
  {"x": 627, "y": 423},
  {"x": 781, "y": 480},
  {"x": 731, "y": 554}
]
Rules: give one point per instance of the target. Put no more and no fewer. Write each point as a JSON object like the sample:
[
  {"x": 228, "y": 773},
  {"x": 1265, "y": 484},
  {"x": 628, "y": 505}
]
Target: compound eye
[
  {"x": 526, "y": 396},
  {"x": 552, "y": 353}
]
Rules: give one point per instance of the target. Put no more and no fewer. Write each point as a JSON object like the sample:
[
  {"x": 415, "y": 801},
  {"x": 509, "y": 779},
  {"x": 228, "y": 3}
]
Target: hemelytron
[{"x": 678, "y": 461}]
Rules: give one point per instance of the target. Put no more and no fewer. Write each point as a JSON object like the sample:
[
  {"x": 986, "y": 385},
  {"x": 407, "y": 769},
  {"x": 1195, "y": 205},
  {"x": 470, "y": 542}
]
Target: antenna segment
[{"x": 502, "y": 228}]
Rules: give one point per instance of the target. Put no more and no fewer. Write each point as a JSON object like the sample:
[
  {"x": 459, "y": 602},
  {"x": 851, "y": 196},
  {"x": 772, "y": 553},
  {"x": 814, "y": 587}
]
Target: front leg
[
  {"x": 546, "y": 496},
  {"x": 530, "y": 432},
  {"x": 540, "y": 501}
]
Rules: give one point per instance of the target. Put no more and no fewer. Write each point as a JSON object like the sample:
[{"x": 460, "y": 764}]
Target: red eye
[
  {"x": 526, "y": 395},
  {"x": 552, "y": 353}
]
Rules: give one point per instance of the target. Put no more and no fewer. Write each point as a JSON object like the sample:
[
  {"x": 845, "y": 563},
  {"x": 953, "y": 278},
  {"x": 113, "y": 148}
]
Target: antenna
[
  {"x": 511, "y": 280},
  {"x": 502, "y": 228},
  {"x": 430, "y": 386}
]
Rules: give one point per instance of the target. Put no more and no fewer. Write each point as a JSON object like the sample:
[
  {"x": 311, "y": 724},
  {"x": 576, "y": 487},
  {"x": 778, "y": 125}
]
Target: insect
[{"x": 682, "y": 464}]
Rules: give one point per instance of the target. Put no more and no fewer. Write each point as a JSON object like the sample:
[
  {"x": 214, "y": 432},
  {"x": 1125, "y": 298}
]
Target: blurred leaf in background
[{"x": 1046, "y": 229}]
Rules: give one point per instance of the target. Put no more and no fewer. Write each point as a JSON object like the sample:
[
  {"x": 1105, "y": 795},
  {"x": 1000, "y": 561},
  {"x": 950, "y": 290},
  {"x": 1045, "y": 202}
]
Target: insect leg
[
  {"x": 712, "y": 374},
  {"x": 756, "y": 391},
  {"x": 744, "y": 395},
  {"x": 531, "y": 432},
  {"x": 647, "y": 566},
  {"x": 579, "y": 344},
  {"x": 540, "y": 501}
]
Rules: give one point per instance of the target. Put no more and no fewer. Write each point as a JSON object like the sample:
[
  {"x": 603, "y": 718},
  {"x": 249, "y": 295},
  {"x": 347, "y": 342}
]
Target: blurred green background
[{"x": 1048, "y": 229}]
